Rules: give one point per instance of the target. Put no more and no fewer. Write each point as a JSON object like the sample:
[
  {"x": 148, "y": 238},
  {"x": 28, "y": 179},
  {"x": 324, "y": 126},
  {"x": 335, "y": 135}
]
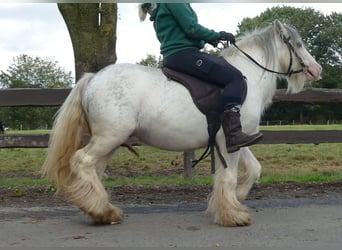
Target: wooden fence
[{"x": 55, "y": 97}]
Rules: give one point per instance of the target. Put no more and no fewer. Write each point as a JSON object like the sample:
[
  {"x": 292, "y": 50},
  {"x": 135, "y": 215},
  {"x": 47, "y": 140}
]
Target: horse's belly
[
  {"x": 173, "y": 142},
  {"x": 181, "y": 132}
]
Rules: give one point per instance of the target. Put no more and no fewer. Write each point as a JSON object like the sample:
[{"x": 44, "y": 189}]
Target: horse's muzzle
[{"x": 313, "y": 72}]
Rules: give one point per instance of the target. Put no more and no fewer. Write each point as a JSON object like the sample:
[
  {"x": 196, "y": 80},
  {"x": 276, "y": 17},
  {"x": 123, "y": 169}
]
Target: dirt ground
[{"x": 194, "y": 194}]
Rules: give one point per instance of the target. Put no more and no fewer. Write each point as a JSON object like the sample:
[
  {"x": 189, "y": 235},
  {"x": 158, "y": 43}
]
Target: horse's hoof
[
  {"x": 113, "y": 216},
  {"x": 236, "y": 222},
  {"x": 235, "y": 218}
]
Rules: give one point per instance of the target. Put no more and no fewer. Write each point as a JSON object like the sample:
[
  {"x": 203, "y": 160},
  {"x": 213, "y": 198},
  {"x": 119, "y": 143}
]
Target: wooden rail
[
  {"x": 55, "y": 97},
  {"x": 32, "y": 97},
  {"x": 310, "y": 96}
]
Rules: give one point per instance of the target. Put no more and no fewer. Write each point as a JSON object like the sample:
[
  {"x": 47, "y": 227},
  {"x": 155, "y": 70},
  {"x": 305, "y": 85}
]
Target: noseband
[{"x": 292, "y": 51}]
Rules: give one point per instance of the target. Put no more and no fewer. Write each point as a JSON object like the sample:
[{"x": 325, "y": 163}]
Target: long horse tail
[{"x": 67, "y": 133}]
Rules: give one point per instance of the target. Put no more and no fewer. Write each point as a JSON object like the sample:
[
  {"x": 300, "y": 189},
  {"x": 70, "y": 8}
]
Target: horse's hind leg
[
  {"x": 251, "y": 171},
  {"x": 85, "y": 188}
]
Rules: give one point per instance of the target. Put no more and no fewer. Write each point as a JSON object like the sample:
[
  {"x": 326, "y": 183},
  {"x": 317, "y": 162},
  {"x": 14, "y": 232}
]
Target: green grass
[
  {"x": 302, "y": 127},
  {"x": 32, "y": 132},
  {"x": 23, "y": 182},
  {"x": 174, "y": 179},
  {"x": 20, "y": 162},
  {"x": 301, "y": 161},
  {"x": 281, "y": 163},
  {"x": 301, "y": 179}
]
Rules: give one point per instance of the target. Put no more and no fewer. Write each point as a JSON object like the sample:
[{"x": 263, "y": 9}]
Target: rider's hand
[{"x": 227, "y": 37}]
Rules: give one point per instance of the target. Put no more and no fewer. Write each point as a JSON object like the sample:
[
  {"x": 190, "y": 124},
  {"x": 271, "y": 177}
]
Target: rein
[{"x": 291, "y": 51}]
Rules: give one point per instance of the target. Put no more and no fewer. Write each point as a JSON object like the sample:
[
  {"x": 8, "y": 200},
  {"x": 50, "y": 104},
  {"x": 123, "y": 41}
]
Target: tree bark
[{"x": 92, "y": 29}]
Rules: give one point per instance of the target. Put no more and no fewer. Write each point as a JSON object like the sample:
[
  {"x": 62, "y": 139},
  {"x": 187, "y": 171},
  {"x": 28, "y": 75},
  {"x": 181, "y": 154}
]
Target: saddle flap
[{"x": 207, "y": 97}]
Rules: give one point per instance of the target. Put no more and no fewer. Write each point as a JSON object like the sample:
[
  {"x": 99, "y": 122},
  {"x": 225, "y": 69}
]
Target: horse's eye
[{"x": 299, "y": 45}]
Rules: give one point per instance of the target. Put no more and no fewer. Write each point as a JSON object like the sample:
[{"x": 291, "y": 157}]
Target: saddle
[{"x": 208, "y": 99}]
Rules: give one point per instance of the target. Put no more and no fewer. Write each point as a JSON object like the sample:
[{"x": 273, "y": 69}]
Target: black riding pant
[{"x": 212, "y": 69}]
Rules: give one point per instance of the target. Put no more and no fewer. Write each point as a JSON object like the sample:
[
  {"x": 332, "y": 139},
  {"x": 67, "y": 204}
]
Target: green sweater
[{"x": 177, "y": 28}]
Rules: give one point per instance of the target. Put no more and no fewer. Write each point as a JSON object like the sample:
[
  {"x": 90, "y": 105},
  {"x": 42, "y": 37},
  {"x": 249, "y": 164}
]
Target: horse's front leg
[
  {"x": 250, "y": 173},
  {"x": 223, "y": 202}
]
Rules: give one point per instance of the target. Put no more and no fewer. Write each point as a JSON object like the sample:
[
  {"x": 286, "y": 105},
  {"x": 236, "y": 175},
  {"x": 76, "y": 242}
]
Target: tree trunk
[{"x": 92, "y": 28}]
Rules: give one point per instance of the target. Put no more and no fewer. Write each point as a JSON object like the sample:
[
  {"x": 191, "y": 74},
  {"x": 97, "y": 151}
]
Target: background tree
[
  {"x": 154, "y": 61},
  {"x": 151, "y": 61},
  {"x": 321, "y": 34},
  {"x": 92, "y": 29},
  {"x": 32, "y": 72}
]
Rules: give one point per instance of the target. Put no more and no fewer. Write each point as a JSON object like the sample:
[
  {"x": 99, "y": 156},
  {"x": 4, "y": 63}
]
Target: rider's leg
[{"x": 235, "y": 138}]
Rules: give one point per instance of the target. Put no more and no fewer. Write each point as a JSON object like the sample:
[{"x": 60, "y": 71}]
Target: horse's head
[{"x": 300, "y": 65}]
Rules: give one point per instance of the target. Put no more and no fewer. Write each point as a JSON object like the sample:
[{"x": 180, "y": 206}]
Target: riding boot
[{"x": 235, "y": 138}]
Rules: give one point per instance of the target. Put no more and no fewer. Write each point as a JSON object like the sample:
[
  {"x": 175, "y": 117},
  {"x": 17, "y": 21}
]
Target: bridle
[{"x": 292, "y": 52}]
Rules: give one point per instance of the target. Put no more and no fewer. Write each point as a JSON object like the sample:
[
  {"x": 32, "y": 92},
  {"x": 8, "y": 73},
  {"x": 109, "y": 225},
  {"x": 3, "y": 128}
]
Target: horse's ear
[{"x": 279, "y": 27}]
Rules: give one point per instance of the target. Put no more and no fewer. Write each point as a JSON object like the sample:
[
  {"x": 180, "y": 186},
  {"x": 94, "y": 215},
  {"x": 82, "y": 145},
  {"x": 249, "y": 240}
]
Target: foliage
[
  {"x": 151, "y": 61},
  {"x": 331, "y": 78},
  {"x": 32, "y": 72},
  {"x": 322, "y": 34},
  {"x": 304, "y": 113}
]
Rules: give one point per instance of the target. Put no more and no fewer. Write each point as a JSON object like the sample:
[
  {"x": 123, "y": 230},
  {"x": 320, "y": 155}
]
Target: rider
[{"x": 181, "y": 39}]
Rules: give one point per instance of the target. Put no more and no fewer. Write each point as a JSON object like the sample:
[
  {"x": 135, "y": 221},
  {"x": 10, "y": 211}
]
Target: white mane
[
  {"x": 263, "y": 38},
  {"x": 266, "y": 40}
]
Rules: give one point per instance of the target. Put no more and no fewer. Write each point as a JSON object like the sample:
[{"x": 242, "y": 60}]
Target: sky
[{"x": 38, "y": 29}]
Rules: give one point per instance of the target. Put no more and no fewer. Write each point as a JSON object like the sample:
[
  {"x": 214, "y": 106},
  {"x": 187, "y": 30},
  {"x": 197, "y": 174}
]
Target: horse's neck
[{"x": 260, "y": 82}]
